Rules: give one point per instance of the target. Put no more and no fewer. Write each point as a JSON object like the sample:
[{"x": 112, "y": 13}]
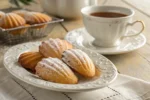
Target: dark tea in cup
[{"x": 108, "y": 14}]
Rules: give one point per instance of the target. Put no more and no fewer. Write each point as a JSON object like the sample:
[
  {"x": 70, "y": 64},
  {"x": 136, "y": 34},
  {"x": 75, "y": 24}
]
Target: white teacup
[{"x": 109, "y": 31}]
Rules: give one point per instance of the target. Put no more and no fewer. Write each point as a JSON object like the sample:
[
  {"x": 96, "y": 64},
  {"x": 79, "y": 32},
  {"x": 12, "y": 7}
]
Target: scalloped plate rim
[{"x": 56, "y": 89}]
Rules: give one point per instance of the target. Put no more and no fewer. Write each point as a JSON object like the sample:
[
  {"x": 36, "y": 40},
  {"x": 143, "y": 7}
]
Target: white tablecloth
[{"x": 124, "y": 88}]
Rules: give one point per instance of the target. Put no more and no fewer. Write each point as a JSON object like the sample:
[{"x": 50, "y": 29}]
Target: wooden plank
[
  {"x": 57, "y": 32},
  {"x": 145, "y": 52},
  {"x": 141, "y": 5},
  {"x": 133, "y": 63},
  {"x": 73, "y": 24}
]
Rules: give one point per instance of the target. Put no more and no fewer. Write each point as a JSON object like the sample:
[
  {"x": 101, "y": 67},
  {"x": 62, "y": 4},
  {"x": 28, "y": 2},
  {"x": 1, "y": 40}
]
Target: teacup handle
[{"x": 138, "y": 33}]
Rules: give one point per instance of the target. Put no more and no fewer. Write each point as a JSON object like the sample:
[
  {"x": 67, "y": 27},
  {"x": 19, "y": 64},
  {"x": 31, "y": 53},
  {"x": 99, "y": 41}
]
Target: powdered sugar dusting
[
  {"x": 80, "y": 54},
  {"x": 56, "y": 65},
  {"x": 81, "y": 57}
]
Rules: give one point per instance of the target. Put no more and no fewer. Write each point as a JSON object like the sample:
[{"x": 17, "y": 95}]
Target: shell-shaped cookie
[
  {"x": 79, "y": 61},
  {"x": 29, "y": 60},
  {"x": 55, "y": 70},
  {"x": 12, "y": 20},
  {"x": 34, "y": 17},
  {"x": 2, "y": 14},
  {"x": 22, "y": 13},
  {"x": 54, "y": 47}
]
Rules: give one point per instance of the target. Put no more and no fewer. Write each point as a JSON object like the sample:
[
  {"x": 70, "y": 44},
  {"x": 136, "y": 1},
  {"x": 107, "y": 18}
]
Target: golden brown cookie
[
  {"x": 34, "y": 18},
  {"x": 79, "y": 61},
  {"x": 29, "y": 60},
  {"x": 54, "y": 47},
  {"x": 54, "y": 70},
  {"x": 12, "y": 20}
]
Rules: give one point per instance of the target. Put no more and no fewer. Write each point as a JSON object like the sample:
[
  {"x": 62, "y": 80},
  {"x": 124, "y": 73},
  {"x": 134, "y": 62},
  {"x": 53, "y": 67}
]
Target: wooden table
[{"x": 136, "y": 64}]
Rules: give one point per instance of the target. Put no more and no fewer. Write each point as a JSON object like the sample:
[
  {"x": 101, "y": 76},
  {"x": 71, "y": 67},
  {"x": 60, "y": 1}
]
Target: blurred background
[
  {"x": 74, "y": 5},
  {"x": 26, "y": 4}
]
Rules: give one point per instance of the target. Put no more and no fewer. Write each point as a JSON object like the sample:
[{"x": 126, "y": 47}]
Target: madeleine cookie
[
  {"x": 29, "y": 60},
  {"x": 34, "y": 18},
  {"x": 12, "y": 20},
  {"x": 54, "y": 70},
  {"x": 54, "y": 47},
  {"x": 79, "y": 61}
]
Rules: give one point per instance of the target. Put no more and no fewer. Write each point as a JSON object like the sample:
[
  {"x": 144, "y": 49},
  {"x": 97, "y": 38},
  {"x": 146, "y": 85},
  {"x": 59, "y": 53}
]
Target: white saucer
[{"x": 80, "y": 38}]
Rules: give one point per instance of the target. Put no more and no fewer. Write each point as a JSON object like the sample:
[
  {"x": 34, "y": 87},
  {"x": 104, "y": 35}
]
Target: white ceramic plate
[
  {"x": 108, "y": 71},
  {"x": 80, "y": 38}
]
